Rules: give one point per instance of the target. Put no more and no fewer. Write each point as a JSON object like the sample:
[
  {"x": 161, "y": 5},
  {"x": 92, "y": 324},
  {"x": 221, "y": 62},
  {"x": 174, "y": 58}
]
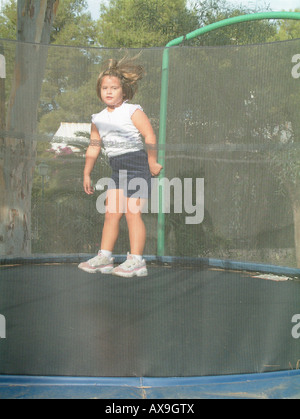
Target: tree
[
  {"x": 211, "y": 11},
  {"x": 287, "y": 29},
  {"x": 73, "y": 25},
  {"x": 246, "y": 98},
  {"x": 35, "y": 20},
  {"x": 8, "y": 20},
  {"x": 286, "y": 158},
  {"x": 143, "y": 23},
  {"x": 153, "y": 23}
]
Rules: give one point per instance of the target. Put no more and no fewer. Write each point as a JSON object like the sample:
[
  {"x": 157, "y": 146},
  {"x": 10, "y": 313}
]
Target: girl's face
[{"x": 112, "y": 91}]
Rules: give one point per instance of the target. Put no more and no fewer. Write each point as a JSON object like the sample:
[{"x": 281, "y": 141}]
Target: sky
[{"x": 275, "y": 5}]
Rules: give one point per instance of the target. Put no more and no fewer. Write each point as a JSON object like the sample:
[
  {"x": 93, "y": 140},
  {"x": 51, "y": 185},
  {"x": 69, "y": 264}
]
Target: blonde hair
[{"x": 128, "y": 72}]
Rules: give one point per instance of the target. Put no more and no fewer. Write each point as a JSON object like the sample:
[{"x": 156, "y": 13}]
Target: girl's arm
[
  {"x": 92, "y": 154},
  {"x": 143, "y": 124}
]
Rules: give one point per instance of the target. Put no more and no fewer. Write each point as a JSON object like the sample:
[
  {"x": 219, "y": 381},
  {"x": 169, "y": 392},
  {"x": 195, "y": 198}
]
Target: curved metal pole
[{"x": 164, "y": 97}]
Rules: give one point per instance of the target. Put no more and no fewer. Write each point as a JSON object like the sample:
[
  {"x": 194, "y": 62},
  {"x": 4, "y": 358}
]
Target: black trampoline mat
[{"x": 177, "y": 322}]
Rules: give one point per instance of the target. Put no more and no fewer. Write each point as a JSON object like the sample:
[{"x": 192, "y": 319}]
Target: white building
[{"x": 72, "y": 137}]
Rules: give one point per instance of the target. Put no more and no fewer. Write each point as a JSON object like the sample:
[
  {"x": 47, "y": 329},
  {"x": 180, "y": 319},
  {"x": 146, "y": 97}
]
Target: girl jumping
[{"x": 119, "y": 129}]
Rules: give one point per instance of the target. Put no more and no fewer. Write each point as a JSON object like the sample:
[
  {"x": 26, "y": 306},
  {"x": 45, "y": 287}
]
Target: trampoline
[
  {"x": 217, "y": 317},
  {"x": 181, "y": 321}
]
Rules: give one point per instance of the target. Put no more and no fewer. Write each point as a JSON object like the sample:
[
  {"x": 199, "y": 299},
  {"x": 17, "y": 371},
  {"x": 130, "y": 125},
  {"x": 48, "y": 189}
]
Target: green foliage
[
  {"x": 144, "y": 23},
  {"x": 151, "y": 23},
  {"x": 287, "y": 29},
  {"x": 73, "y": 24},
  {"x": 8, "y": 20},
  {"x": 211, "y": 11},
  {"x": 69, "y": 92}
]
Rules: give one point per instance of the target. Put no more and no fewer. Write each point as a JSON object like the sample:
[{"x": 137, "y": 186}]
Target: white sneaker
[
  {"x": 100, "y": 263},
  {"x": 131, "y": 267}
]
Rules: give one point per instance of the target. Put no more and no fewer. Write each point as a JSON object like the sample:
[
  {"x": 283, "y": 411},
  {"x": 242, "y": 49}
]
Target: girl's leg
[
  {"x": 134, "y": 265},
  {"x": 136, "y": 226},
  {"x": 115, "y": 207}
]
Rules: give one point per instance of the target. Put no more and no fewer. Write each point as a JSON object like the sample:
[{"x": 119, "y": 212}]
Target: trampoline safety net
[{"x": 231, "y": 181}]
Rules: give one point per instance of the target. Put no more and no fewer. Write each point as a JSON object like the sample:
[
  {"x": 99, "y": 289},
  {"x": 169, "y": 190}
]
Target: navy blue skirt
[{"x": 131, "y": 173}]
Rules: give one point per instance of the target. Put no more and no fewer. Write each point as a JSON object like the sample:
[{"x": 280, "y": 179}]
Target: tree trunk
[{"x": 18, "y": 150}]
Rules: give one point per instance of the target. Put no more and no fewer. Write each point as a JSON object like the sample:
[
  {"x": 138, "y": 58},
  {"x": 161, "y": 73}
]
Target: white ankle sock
[
  {"x": 138, "y": 257},
  {"x": 106, "y": 253}
]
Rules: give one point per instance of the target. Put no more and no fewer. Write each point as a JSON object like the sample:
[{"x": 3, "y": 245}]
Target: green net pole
[
  {"x": 164, "y": 98},
  {"x": 162, "y": 151}
]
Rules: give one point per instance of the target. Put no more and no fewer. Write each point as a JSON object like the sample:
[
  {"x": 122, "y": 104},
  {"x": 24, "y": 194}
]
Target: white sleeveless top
[{"x": 117, "y": 131}]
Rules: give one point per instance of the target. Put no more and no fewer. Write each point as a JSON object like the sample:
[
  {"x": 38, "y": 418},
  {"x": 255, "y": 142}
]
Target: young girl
[{"x": 120, "y": 128}]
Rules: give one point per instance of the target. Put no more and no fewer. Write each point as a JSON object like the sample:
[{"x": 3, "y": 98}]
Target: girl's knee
[
  {"x": 135, "y": 207},
  {"x": 133, "y": 216},
  {"x": 113, "y": 216}
]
